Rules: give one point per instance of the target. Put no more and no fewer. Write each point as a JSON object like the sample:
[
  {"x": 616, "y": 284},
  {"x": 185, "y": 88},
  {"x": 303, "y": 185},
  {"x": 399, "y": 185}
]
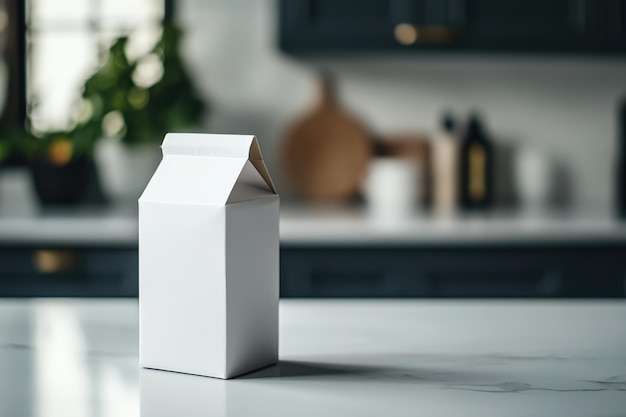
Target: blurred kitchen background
[{"x": 422, "y": 148}]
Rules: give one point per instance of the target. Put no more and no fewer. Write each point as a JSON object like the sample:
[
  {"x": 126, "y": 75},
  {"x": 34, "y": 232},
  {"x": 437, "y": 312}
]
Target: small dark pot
[{"x": 61, "y": 185}]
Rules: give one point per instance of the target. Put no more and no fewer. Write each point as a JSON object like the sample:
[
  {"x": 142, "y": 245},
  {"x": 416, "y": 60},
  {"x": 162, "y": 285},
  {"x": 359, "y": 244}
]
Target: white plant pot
[{"x": 125, "y": 169}]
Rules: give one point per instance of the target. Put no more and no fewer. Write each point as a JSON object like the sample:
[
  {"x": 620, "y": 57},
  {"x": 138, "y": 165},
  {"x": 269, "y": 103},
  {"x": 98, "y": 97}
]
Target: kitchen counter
[
  {"x": 117, "y": 226},
  {"x": 24, "y": 223},
  {"x": 341, "y": 252},
  {"x": 367, "y": 358},
  {"x": 356, "y": 227}
]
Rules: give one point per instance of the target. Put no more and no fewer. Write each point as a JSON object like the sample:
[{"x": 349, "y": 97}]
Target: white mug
[
  {"x": 533, "y": 174},
  {"x": 392, "y": 187}
]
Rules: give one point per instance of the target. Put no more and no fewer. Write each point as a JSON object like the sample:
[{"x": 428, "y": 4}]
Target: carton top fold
[{"x": 205, "y": 169}]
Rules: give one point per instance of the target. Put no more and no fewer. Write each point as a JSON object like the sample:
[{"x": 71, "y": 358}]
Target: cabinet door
[
  {"x": 534, "y": 25},
  {"x": 352, "y": 25},
  {"x": 616, "y": 23},
  {"x": 338, "y": 24}
]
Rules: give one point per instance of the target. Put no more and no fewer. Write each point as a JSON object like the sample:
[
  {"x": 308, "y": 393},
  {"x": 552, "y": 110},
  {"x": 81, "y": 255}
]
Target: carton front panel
[
  {"x": 182, "y": 288},
  {"x": 252, "y": 284}
]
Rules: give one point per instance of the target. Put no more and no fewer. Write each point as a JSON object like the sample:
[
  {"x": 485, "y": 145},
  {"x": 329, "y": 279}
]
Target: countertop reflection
[{"x": 338, "y": 357}]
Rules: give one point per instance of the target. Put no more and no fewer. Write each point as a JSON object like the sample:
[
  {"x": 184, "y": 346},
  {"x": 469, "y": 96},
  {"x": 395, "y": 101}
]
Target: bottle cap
[
  {"x": 448, "y": 122},
  {"x": 475, "y": 126}
]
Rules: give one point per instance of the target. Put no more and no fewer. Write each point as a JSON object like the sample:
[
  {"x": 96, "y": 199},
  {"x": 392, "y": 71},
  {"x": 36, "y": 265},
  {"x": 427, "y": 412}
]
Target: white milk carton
[{"x": 208, "y": 258}]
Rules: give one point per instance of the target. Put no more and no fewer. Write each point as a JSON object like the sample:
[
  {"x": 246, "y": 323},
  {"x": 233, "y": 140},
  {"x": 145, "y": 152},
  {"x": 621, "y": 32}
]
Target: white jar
[
  {"x": 534, "y": 178},
  {"x": 391, "y": 188}
]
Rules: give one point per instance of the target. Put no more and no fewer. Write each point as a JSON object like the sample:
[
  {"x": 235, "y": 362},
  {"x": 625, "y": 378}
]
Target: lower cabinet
[
  {"x": 68, "y": 272},
  {"x": 555, "y": 270},
  {"x": 488, "y": 271}
]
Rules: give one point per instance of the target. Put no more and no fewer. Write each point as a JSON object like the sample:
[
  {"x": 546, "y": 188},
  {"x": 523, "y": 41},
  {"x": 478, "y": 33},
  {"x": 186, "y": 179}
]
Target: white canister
[
  {"x": 534, "y": 178},
  {"x": 392, "y": 188}
]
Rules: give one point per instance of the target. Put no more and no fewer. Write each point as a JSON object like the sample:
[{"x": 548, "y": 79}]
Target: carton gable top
[{"x": 209, "y": 169}]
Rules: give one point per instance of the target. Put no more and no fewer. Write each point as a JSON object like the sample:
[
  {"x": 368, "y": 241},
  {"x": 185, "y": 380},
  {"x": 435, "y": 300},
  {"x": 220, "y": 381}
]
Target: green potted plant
[{"x": 128, "y": 114}]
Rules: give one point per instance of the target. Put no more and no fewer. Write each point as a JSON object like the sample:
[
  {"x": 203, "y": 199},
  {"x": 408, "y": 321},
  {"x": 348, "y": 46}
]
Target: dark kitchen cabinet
[
  {"x": 536, "y": 25},
  {"x": 68, "y": 271},
  {"x": 494, "y": 270},
  {"x": 509, "y": 26},
  {"x": 558, "y": 270},
  {"x": 352, "y": 24}
]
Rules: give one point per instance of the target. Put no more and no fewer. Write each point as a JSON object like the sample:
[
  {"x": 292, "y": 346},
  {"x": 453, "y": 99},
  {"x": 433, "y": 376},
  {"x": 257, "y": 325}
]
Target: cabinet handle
[
  {"x": 408, "y": 34},
  {"x": 54, "y": 261}
]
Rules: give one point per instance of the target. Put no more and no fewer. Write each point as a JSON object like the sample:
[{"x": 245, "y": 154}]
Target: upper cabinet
[{"x": 509, "y": 26}]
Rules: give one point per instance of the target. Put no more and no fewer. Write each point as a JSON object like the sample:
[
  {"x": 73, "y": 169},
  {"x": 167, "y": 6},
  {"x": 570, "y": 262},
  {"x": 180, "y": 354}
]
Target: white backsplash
[{"x": 565, "y": 106}]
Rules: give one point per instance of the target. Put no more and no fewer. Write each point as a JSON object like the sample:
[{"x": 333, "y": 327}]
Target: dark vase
[
  {"x": 621, "y": 162},
  {"x": 61, "y": 185}
]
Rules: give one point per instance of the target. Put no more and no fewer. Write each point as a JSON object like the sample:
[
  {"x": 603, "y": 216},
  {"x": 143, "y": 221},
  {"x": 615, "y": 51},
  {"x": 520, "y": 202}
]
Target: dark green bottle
[
  {"x": 620, "y": 178},
  {"x": 476, "y": 167}
]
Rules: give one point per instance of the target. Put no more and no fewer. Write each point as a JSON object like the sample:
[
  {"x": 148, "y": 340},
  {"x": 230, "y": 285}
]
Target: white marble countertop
[
  {"x": 357, "y": 227},
  {"x": 70, "y": 358},
  {"x": 117, "y": 226}
]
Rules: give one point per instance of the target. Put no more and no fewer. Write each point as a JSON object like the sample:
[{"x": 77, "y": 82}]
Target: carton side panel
[
  {"x": 252, "y": 284},
  {"x": 182, "y": 302}
]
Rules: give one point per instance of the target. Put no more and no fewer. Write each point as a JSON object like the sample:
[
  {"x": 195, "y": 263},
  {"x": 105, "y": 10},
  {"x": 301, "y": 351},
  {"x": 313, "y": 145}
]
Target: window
[{"x": 65, "y": 42}]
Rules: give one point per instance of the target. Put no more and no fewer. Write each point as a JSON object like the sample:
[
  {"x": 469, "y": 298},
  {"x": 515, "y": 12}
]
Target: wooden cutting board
[{"x": 325, "y": 154}]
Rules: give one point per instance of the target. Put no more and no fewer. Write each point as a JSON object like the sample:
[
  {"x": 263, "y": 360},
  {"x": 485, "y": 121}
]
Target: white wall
[{"x": 565, "y": 106}]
